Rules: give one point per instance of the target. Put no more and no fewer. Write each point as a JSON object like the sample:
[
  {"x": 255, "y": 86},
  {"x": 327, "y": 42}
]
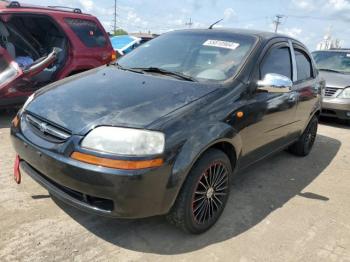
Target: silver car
[{"x": 334, "y": 67}]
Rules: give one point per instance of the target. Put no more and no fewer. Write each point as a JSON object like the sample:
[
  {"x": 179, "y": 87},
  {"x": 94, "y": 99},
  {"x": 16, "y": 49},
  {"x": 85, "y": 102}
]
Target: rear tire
[
  {"x": 204, "y": 194},
  {"x": 305, "y": 143}
]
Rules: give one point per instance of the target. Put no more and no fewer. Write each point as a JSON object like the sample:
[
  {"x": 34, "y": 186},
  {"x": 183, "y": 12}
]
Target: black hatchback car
[{"x": 163, "y": 130}]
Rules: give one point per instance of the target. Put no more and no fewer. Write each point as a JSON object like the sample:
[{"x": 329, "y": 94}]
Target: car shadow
[
  {"x": 6, "y": 118},
  {"x": 256, "y": 193},
  {"x": 334, "y": 122}
]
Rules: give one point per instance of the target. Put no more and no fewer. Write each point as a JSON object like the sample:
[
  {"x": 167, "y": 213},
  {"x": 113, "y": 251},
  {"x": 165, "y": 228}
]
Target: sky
[{"x": 306, "y": 20}]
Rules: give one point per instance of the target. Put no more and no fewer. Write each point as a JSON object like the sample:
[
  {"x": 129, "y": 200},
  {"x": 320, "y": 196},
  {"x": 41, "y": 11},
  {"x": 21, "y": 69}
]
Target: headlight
[
  {"x": 124, "y": 141},
  {"x": 29, "y": 100},
  {"x": 345, "y": 93}
]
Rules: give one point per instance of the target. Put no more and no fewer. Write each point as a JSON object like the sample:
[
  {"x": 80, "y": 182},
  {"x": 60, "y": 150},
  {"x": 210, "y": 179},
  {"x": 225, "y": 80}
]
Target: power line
[
  {"x": 115, "y": 17},
  {"x": 277, "y": 22}
]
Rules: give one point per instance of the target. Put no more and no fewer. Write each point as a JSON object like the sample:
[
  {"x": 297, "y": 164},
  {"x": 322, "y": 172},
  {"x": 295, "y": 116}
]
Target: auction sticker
[{"x": 221, "y": 44}]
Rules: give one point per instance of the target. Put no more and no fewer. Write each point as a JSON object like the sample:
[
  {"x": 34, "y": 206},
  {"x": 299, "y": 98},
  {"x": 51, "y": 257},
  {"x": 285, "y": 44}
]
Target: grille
[
  {"x": 47, "y": 130},
  {"x": 330, "y": 91}
]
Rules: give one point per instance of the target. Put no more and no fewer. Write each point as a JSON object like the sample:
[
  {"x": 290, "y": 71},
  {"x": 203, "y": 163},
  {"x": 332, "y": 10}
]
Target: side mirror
[{"x": 275, "y": 83}]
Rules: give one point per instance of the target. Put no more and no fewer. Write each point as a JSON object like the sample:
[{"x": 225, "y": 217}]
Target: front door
[{"x": 273, "y": 115}]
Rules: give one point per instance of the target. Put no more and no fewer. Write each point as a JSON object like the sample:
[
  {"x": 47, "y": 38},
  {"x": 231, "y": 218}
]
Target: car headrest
[{"x": 3, "y": 30}]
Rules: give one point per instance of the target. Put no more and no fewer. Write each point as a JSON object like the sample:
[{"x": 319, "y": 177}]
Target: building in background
[{"x": 329, "y": 42}]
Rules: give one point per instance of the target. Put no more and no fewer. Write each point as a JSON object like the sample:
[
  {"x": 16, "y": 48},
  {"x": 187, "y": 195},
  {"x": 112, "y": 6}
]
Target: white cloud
[
  {"x": 88, "y": 5},
  {"x": 306, "y": 5},
  {"x": 339, "y": 4},
  {"x": 294, "y": 32},
  {"x": 229, "y": 13}
]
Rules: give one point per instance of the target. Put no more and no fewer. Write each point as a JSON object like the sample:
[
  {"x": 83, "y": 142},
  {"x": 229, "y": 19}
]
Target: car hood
[
  {"x": 110, "y": 96},
  {"x": 334, "y": 79}
]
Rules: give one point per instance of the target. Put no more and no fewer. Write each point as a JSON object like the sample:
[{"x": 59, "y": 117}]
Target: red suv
[{"x": 39, "y": 45}]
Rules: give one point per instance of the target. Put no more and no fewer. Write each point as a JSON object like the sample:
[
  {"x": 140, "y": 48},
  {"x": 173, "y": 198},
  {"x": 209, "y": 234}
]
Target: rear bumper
[
  {"x": 98, "y": 190},
  {"x": 336, "y": 107}
]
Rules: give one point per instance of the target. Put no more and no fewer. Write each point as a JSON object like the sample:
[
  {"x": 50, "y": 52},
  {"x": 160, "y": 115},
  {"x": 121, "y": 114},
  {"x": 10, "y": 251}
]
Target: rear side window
[
  {"x": 277, "y": 61},
  {"x": 88, "y": 32},
  {"x": 304, "y": 66}
]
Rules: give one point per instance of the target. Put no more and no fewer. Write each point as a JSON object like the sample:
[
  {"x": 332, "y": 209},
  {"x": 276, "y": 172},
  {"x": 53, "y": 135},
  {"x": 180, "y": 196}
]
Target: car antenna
[{"x": 211, "y": 26}]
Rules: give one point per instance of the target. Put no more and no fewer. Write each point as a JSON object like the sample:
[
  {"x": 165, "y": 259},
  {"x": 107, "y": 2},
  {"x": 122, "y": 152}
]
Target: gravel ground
[{"x": 282, "y": 209}]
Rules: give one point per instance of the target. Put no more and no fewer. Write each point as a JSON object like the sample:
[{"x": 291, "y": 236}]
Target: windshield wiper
[
  {"x": 165, "y": 72},
  {"x": 127, "y": 69},
  {"x": 330, "y": 70}
]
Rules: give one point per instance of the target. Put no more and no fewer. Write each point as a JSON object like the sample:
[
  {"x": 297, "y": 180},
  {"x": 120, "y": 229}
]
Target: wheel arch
[
  {"x": 318, "y": 113},
  {"x": 224, "y": 138},
  {"x": 228, "y": 149}
]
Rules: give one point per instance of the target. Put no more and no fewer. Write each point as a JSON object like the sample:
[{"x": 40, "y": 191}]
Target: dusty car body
[{"x": 131, "y": 140}]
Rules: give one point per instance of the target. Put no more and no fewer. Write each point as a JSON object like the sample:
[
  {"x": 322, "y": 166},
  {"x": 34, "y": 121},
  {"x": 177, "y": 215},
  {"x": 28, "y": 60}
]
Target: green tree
[{"x": 120, "y": 32}]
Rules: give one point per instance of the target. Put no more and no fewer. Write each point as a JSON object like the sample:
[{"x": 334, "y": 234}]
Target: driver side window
[{"x": 277, "y": 61}]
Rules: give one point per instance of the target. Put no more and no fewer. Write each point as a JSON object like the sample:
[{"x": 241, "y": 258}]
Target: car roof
[
  {"x": 260, "y": 34},
  {"x": 16, "y": 7}
]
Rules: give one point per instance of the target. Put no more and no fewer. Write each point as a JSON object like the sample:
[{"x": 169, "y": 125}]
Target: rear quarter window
[{"x": 88, "y": 32}]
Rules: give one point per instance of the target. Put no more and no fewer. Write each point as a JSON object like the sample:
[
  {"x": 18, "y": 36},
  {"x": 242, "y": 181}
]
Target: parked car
[
  {"x": 39, "y": 45},
  {"x": 334, "y": 67},
  {"x": 124, "y": 44},
  {"x": 161, "y": 131}
]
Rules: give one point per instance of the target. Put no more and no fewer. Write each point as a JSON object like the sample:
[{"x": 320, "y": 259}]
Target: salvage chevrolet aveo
[{"x": 163, "y": 130}]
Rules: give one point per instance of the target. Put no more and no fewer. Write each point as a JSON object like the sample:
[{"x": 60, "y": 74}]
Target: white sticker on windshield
[
  {"x": 221, "y": 44},
  {"x": 347, "y": 55}
]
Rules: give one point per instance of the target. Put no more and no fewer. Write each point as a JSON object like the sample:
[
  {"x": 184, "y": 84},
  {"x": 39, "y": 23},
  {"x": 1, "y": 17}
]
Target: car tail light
[{"x": 114, "y": 56}]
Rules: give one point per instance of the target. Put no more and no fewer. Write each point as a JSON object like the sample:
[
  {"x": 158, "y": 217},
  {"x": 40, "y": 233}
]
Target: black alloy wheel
[
  {"x": 212, "y": 190},
  {"x": 305, "y": 143},
  {"x": 204, "y": 194}
]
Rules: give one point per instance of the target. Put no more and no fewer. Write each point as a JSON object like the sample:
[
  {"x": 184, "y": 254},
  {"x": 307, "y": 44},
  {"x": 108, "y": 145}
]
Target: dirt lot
[{"x": 283, "y": 209}]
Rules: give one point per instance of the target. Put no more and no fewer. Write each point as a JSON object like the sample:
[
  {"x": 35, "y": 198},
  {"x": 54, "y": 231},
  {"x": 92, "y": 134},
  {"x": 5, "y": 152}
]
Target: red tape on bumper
[{"x": 16, "y": 171}]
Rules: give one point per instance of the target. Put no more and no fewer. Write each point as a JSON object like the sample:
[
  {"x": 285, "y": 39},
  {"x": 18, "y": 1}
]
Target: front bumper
[
  {"x": 336, "y": 107},
  {"x": 98, "y": 190}
]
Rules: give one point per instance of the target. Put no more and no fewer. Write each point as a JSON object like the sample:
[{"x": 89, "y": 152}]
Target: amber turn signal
[
  {"x": 117, "y": 164},
  {"x": 240, "y": 114},
  {"x": 15, "y": 121}
]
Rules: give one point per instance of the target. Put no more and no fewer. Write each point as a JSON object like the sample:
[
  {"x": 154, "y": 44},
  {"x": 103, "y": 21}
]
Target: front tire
[
  {"x": 204, "y": 194},
  {"x": 305, "y": 143}
]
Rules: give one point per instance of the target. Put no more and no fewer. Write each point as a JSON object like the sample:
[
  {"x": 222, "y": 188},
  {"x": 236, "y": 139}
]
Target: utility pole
[
  {"x": 190, "y": 23},
  {"x": 277, "y": 22},
  {"x": 115, "y": 17}
]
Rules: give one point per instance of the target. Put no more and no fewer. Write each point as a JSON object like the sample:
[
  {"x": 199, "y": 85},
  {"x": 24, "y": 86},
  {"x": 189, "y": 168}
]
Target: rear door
[
  {"x": 273, "y": 114},
  {"x": 306, "y": 84}
]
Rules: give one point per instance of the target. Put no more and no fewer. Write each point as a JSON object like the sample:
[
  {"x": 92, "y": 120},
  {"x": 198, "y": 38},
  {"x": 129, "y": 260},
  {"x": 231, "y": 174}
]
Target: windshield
[
  {"x": 334, "y": 61},
  {"x": 198, "y": 55}
]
